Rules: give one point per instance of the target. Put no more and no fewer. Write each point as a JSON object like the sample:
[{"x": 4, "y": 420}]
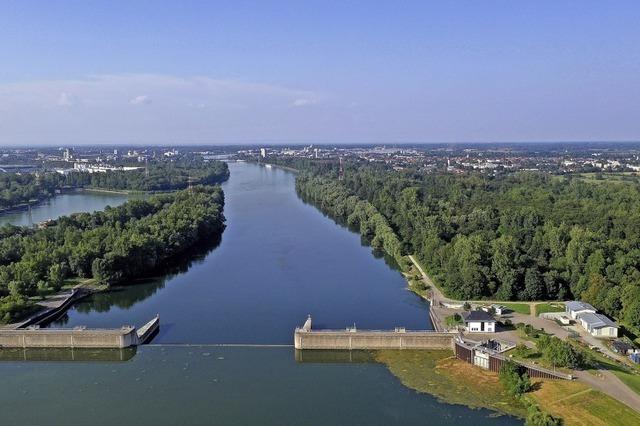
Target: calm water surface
[
  {"x": 221, "y": 386},
  {"x": 279, "y": 259},
  {"x": 62, "y": 205}
]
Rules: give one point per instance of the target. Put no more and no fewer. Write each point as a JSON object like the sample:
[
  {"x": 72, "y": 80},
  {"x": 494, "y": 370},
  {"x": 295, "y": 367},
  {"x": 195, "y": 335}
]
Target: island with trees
[
  {"x": 20, "y": 189},
  {"x": 110, "y": 246}
]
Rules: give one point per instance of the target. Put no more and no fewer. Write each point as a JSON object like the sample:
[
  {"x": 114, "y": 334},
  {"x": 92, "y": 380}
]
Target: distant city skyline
[{"x": 174, "y": 73}]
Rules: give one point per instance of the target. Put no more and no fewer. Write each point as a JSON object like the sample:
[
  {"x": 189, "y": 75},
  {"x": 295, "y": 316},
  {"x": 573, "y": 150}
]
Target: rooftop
[
  {"x": 596, "y": 320},
  {"x": 580, "y": 306},
  {"x": 478, "y": 316}
]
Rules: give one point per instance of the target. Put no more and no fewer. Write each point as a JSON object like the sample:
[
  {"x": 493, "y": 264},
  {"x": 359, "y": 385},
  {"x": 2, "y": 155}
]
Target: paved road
[{"x": 608, "y": 383}]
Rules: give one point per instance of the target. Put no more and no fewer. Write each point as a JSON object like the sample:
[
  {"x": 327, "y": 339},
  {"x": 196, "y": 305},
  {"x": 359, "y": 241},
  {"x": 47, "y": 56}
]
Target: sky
[{"x": 208, "y": 72}]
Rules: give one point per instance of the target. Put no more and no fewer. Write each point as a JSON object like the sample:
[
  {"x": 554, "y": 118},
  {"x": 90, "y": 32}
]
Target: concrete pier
[
  {"x": 68, "y": 338},
  {"x": 147, "y": 331},
  {"x": 79, "y": 337},
  {"x": 353, "y": 339}
]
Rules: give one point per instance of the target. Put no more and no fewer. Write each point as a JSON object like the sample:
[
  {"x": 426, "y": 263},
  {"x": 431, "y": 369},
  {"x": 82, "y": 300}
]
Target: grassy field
[
  {"x": 623, "y": 177},
  {"x": 521, "y": 308},
  {"x": 578, "y": 404},
  {"x": 542, "y": 308},
  {"x": 438, "y": 373}
]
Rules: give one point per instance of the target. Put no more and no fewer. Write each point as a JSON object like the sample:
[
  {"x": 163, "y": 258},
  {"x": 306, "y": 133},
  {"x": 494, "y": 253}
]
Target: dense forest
[
  {"x": 525, "y": 236},
  {"x": 110, "y": 246},
  {"x": 17, "y": 189}
]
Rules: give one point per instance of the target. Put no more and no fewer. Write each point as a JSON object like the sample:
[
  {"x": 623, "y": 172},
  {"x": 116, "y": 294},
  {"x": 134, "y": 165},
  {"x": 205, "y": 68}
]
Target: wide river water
[{"x": 279, "y": 259}]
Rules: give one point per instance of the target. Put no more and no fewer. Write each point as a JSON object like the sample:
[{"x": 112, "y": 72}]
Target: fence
[{"x": 492, "y": 361}]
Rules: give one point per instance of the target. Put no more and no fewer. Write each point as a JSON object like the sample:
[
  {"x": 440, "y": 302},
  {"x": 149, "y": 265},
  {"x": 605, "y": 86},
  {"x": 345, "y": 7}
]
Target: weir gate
[{"x": 353, "y": 339}]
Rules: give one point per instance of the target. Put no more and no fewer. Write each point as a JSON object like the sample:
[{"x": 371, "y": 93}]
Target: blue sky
[{"x": 77, "y": 72}]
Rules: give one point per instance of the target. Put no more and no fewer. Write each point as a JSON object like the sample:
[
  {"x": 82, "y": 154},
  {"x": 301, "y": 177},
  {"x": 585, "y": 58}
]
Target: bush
[
  {"x": 514, "y": 379},
  {"x": 536, "y": 417},
  {"x": 563, "y": 354}
]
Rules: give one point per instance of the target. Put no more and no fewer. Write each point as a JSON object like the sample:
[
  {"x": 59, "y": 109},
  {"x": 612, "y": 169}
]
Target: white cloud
[
  {"x": 199, "y": 109},
  {"x": 66, "y": 100},
  {"x": 140, "y": 100},
  {"x": 302, "y": 102}
]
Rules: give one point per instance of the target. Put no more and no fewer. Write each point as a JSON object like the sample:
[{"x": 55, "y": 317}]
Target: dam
[
  {"x": 78, "y": 337},
  {"x": 352, "y": 339}
]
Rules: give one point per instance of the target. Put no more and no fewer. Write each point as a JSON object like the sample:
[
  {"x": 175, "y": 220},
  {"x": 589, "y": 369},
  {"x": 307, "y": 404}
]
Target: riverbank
[
  {"x": 201, "y": 216},
  {"x": 453, "y": 381},
  {"x": 22, "y": 206},
  {"x": 112, "y": 191},
  {"x": 278, "y": 166},
  {"x": 440, "y": 374}
]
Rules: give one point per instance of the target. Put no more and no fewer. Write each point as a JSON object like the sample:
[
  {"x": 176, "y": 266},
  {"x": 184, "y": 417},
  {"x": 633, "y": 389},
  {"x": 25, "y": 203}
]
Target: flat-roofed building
[
  {"x": 574, "y": 308},
  {"x": 598, "y": 325}
]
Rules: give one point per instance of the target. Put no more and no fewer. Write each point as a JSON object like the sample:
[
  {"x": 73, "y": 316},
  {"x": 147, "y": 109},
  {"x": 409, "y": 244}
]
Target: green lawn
[
  {"x": 577, "y": 404},
  {"x": 521, "y": 308},
  {"x": 542, "y": 308},
  {"x": 453, "y": 320}
]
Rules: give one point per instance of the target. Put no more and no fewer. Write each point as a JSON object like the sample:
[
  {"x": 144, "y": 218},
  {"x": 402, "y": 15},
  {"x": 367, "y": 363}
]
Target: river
[
  {"x": 278, "y": 260},
  {"x": 62, "y": 205}
]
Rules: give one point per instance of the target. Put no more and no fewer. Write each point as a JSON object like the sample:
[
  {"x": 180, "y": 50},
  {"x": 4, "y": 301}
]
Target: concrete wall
[
  {"x": 354, "y": 340},
  {"x": 68, "y": 338}
]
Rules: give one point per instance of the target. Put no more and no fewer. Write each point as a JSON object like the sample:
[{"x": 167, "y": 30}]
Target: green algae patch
[{"x": 453, "y": 381}]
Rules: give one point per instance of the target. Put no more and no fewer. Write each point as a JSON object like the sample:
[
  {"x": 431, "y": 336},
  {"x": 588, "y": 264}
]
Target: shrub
[{"x": 514, "y": 379}]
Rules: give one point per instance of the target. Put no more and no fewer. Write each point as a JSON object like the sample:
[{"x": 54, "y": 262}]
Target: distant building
[
  {"x": 479, "y": 322},
  {"x": 263, "y": 152},
  {"x": 497, "y": 309},
  {"x": 574, "y": 308},
  {"x": 598, "y": 325}
]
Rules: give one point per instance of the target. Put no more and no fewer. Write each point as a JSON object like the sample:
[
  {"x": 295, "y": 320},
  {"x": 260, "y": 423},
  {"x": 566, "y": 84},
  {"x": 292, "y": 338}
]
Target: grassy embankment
[
  {"x": 453, "y": 381},
  {"x": 578, "y": 404}
]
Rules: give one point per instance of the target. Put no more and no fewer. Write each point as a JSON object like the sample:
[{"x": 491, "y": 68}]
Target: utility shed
[
  {"x": 598, "y": 325},
  {"x": 575, "y": 308}
]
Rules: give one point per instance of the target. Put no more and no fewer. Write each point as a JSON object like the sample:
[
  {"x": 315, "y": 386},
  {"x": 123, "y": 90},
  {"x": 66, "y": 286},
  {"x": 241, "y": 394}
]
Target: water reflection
[
  {"x": 67, "y": 354},
  {"x": 125, "y": 297},
  {"x": 364, "y": 241},
  {"x": 339, "y": 357}
]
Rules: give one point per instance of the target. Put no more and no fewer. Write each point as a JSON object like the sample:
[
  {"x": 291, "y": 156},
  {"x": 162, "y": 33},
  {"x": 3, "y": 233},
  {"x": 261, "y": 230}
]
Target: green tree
[{"x": 514, "y": 378}]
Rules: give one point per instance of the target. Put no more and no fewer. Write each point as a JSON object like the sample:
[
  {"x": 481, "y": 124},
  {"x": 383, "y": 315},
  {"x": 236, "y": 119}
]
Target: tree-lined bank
[
  {"x": 525, "y": 236},
  {"x": 18, "y": 189},
  {"x": 111, "y": 246}
]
